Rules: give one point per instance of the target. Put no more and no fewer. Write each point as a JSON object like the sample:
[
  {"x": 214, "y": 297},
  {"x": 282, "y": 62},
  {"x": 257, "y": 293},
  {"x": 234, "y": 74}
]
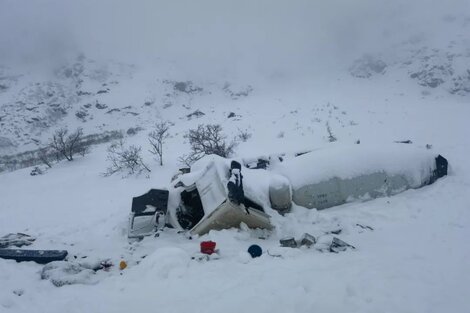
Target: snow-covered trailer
[{"x": 329, "y": 177}]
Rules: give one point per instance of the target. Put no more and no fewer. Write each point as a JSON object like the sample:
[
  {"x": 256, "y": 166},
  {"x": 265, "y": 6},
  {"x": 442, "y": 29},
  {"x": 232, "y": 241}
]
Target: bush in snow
[
  {"x": 157, "y": 138},
  {"x": 331, "y": 136},
  {"x": 67, "y": 145},
  {"x": 244, "y": 135},
  {"x": 125, "y": 159},
  {"x": 208, "y": 139},
  {"x": 187, "y": 160}
]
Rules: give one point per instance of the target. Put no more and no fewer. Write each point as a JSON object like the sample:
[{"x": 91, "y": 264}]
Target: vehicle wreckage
[{"x": 218, "y": 193}]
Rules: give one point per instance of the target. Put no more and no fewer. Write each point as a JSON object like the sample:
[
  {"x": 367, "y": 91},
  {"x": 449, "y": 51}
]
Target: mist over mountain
[{"x": 211, "y": 38}]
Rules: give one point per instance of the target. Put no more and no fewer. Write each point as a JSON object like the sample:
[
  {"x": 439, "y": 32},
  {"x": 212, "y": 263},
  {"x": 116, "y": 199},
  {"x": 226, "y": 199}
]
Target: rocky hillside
[
  {"x": 98, "y": 97},
  {"x": 442, "y": 65}
]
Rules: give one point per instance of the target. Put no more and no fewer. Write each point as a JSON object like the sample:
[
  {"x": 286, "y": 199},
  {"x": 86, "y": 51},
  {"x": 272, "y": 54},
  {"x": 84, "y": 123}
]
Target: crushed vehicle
[
  {"x": 211, "y": 196},
  {"x": 218, "y": 193}
]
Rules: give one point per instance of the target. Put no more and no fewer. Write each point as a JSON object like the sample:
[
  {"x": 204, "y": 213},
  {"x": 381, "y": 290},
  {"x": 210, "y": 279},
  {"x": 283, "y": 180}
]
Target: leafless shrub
[
  {"x": 45, "y": 156},
  {"x": 331, "y": 136},
  {"x": 125, "y": 159},
  {"x": 243, "y": 135},
  {"x": 187, "y": 160},
  {"x": 208, "y": 139},
  {"x": 157, "y": 138},
  {"x": 67, "y": 145}
]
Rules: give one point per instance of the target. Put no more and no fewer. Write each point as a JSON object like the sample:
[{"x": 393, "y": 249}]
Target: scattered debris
[
  {"x": 288, "y": 242},
  {"x": 307, "y": 240},
  {"x": 255, "y": 251},
  {"x": 274, "y": 255},
  {"x": 147, "y": 213},
  {"x": 327, "y": 245},
  {"x": 337, "y": 245},
  {"x": 258, "y": 164},
  {"x": 38, "y": 256},
  {"x": 63, "y": 273},
  {"x": 18, "y": 240},
  {"x": 206, "y": 257},
  {"x": 104, "y": 265},
  {"x": 208, "y": 247},
  {"x": 335, "y": 232}
]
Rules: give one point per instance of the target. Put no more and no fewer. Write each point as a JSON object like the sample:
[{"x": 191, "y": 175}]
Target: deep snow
[
  {"x": 411, "y": 254},
  {"x": 414, "y": 260}
]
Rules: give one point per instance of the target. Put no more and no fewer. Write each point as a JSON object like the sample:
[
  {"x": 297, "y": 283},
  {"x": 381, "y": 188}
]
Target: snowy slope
[{"x": 413, "y": 258}]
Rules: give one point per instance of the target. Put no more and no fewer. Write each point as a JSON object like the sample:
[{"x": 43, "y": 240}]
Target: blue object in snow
[{"x": 255, "y": 251}]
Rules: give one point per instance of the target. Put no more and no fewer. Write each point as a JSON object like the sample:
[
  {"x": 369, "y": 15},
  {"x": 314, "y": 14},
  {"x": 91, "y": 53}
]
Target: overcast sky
[{"x": 266, "y": 36}]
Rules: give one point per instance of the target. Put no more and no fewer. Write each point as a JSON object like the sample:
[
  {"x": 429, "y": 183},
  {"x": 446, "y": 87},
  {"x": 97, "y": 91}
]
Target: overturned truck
[{"x": 217, "y": 193}]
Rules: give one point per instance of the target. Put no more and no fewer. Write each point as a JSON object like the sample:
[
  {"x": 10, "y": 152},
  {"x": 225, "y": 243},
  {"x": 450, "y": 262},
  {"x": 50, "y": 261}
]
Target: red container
[{"x": 207, "y": 247}]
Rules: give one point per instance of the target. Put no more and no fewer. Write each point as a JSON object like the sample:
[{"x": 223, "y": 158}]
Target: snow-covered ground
[
  {"x": 411, "y": 254},
  {"x": 414, "y": 260}
]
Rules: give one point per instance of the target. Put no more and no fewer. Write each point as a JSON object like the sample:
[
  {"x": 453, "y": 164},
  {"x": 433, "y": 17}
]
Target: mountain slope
[{"x": 411, "y": 253}]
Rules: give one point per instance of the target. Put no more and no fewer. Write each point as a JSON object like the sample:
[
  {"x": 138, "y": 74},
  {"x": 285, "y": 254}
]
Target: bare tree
[
  {"x": 67, "y": 145},
  {"x": 157, "y": 138},
  {"x": 125, "y": 159},
  {"x": 208, "y": 139},
  {"x": 45, "y": 156}
]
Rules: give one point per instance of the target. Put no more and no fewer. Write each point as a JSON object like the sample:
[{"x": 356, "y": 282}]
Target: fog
[{"x": 211, "y": 37}]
